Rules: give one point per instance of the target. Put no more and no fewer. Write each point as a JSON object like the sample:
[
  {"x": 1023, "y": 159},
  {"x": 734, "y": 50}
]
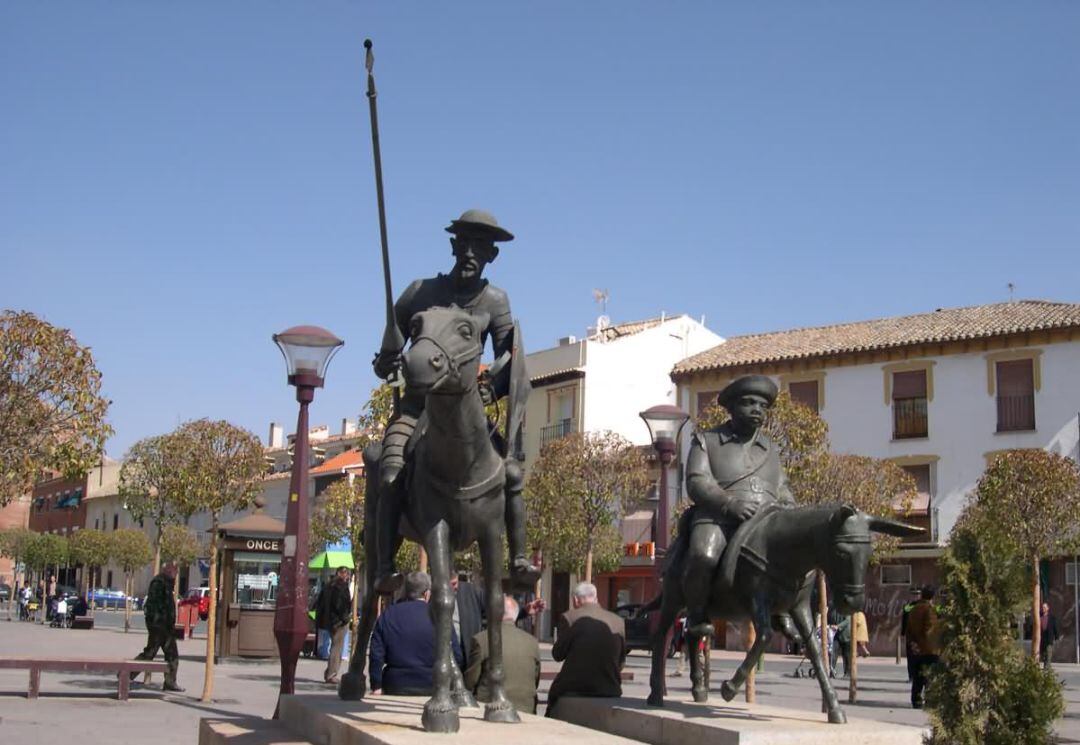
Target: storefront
[{"x": 250, "y": 565}]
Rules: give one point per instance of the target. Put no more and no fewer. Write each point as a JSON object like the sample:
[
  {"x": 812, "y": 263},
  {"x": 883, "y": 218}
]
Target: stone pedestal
[{"x": 727, "y": 724}]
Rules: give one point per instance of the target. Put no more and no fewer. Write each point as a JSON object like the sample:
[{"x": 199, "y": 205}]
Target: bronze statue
[
  {"x": 745, "y": 552},
  {"x": 474, "y": 246}
]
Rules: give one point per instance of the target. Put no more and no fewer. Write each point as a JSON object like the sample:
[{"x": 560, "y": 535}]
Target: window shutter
[
  {"x": 1015, "y": 378},
  {"x": 805, "y": 392},
  {"x": 910, "y": 384}
]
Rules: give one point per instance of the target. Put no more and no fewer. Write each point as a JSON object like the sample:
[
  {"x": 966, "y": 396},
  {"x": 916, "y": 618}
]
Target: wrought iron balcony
[
  {"x": 1016, "y": 413},
  {"x": 559, "y": 429},
  {"x": 909, "y": 418}
]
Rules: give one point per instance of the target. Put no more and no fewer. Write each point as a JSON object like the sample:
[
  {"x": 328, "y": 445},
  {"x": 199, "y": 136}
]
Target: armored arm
[{"x": 388, "y": 358}]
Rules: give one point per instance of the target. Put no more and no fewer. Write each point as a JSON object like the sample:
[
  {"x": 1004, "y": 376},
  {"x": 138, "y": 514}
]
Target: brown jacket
[
  {"x": 922, "y": 631},
  {"x": 521, "y": 664},
  {"x": 591, "y": 644}
]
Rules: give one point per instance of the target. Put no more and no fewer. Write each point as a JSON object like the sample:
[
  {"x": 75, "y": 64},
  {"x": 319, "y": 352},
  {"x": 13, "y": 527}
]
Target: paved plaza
[{"x": 83, "y": 709}]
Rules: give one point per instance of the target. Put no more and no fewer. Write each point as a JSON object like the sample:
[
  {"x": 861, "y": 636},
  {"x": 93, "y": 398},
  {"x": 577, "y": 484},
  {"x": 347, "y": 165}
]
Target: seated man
[
  {"x": 403, "y": 643},
  {"x": 591, "y": 644},
  {"x": 521, "y": 662}
]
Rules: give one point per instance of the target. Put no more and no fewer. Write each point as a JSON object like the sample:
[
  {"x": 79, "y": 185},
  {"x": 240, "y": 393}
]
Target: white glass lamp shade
[
  {"x": 307, "y": 349},
  {"x": 664, "y": 423}
]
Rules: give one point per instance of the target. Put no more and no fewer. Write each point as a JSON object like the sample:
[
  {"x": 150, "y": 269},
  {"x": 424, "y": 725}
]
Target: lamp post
[
  {"x": 307, "y": 351},
  {"x": 665, "y": 422}
]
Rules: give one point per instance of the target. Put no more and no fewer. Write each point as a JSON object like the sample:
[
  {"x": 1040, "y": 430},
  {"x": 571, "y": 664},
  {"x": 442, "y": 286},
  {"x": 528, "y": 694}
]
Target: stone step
[
  {"x": 395, "y": 720},
  {"x": 246, "y": 731}
]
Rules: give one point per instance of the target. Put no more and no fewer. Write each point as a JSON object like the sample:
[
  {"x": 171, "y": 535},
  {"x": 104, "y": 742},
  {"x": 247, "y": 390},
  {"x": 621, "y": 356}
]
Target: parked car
[
  {"x": 109, "y": 598},
  {"x": 5, "y": 593},
  {"x": 638, "y": 627},
  {"x": 200, "y": 597}
]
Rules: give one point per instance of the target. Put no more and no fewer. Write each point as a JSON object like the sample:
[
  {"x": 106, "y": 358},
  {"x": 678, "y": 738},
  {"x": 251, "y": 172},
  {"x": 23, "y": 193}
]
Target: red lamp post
[
  {"x": 307, "y": 351},
  {"x": 665, "y": 422}
]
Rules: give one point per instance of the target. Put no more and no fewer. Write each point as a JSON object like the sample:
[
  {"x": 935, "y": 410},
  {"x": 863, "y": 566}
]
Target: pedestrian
[
  {"x": 1049, "y": 634},
  {"x": 861, "y": 632},
  {"x": 521, "y": 661},
  {"x": 591, "y": 644},
  {"x": 841, "y": 644},
  {"x": 923, "y": 637},
  {"x": 909, "y": 656},
  {"x": 333, "y": 614},
  {"x": 160, "y": 613}
]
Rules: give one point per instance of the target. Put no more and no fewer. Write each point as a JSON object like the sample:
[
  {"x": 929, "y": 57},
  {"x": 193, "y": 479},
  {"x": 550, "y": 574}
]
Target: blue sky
[{"x": 180, "y": 180}]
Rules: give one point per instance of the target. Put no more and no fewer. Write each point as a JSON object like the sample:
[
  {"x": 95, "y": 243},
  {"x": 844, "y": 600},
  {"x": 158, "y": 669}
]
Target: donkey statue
[
  {"x": 767, "y": 571},
  {"x": 455, "y": 496}
]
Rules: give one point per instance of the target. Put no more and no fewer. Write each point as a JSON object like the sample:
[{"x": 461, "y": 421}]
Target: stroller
[
  {"x": 62, "y": 613},
  {"x": 805, "y": 668}
]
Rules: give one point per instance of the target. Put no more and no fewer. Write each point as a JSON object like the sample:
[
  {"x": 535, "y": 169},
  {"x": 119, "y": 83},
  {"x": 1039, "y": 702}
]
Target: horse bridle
[
  {"x": 849, "y": 538},
  {"x": 453, "y": 362}
]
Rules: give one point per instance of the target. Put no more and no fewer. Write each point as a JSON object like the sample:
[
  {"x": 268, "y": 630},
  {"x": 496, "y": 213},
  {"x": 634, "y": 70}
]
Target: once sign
[{"x": 257, "y": 544}]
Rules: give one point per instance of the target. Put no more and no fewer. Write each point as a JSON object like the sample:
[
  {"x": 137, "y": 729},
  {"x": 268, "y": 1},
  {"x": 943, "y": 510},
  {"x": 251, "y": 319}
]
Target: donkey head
[
  {"x": 444, "y": 351},
  {"x": 849, "y": 553}
]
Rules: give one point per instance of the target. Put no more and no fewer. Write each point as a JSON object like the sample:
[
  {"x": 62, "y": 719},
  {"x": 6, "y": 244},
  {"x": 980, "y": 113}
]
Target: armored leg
[
  {"x": 707, "y": 542},
  {"x": 523, "y": 573},
  {"x": 390, "y": 505}
]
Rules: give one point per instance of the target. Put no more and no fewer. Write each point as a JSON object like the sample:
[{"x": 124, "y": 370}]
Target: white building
[{"x": 939, "y": 393}]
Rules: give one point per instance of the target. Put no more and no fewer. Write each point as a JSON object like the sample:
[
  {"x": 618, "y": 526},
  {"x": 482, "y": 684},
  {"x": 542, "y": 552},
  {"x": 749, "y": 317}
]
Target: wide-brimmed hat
[
  {"x": 480, "y": 221},
  {"x": 749, "y": 385}
]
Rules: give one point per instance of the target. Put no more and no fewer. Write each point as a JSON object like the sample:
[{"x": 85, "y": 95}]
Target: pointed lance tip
[{"x": 369, "y": 58}]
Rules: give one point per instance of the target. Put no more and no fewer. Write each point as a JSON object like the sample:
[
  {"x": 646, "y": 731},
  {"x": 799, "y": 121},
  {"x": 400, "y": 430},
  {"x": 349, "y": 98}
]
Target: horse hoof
[
  {"x": 524, "y": 576},
  {"x": 728, "y": 691},
  {"x": 463, "y": 699},
  {"x": 352, "y": 687},
  {"x": 701, "y": 695},
  {"x": 504, "y": 712},
  {"x": 655, "y": 699},
  {"x": 440, "y": 716},
  {"x": 837, "y": 716}
]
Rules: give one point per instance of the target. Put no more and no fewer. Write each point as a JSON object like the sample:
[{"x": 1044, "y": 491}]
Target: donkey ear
[
  {"x": 893, "y": 527},
  {"x": 843, "y": 512}
]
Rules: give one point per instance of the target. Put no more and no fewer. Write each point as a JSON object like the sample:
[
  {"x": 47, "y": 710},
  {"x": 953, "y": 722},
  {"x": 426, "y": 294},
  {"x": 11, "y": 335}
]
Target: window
[
  {"x": 1015, "y": 395},
  {"x": 921, "y": 474},
  {"x": 896, "y": 574},
  {"x": 115, "y": 521},
  {"x": 108, "y": 582},
  {"x": 705, "y": 400},
  {"x": 97, "y": 524},
  {"x": 1070, "y": 573},
  {"x": 560, "y": 414},
  {"x": 909, "y": 401},
  {"x": 805, "y": 392}
]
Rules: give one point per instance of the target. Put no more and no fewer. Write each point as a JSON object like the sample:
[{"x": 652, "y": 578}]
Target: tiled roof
[
  {"x": 619, "y": 330},
  {"x": 341, "y": 461},
  {"x": 943, "y": 325}
]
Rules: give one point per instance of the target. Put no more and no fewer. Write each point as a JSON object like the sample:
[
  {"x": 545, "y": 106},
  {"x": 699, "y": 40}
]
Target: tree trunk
[
  {"x": 211, "y": 620},
  {"x": 853, "y": 656},
  {"x": 823, "y": 622},
  {"x": 588, "y": 561},
  {"x": 93, "y": 589},
  {"x": 751, "y": 687},
  {"x": 157, "y": 552},
  {"x": 1036, "y": 602},
  {"x": 127, "y": 602}
]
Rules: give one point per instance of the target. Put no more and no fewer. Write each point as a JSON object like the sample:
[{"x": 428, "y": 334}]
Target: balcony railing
[
  {"x": 559, "y": 429},
  {"x": 928, "y": 522},
  {"x": 909, "y": 418},
  {"x": 1016, "y": 413}
]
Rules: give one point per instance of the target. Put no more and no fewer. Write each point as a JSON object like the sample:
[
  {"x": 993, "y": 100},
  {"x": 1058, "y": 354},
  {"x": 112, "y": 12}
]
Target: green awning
[{"x": 332, "y": 560}]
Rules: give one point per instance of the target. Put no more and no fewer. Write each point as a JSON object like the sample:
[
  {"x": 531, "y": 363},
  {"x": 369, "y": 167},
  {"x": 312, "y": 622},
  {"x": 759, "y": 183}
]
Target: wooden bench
[
  {"x": 122, "y": 668},
  {"x": 82, "y": 622}
]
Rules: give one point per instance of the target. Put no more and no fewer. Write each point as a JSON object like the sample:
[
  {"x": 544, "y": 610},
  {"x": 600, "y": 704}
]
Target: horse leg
[
  {"x": 353, "y": 684},
  {"x": 499, "y": 708},
  {"x": 800, "y": 614},
  {"x": 461, "y": 695},
  {"x": 440, "y": 712},
  {"x": 760, "y": 619},
  {"x": 699, "y": 688},
  {"x": 658, "y": 679}
]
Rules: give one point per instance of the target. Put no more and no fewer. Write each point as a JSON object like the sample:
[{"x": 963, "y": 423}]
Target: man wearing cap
[
  {"x": 732, "y": 471},
  {"x": 475, "y": 234}
]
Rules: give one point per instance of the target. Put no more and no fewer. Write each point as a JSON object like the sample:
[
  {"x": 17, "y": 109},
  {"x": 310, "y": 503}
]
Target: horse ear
[
  {"x": 893, "y": 527},
  {"x": 482, "y": 321},
  {"x": 843, "y": 512}
]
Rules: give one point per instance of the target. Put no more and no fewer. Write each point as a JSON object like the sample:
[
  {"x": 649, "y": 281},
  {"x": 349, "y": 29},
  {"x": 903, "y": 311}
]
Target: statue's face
[
  {"x": 472, "y": 252},
  {"x": 750, "y": 409}
]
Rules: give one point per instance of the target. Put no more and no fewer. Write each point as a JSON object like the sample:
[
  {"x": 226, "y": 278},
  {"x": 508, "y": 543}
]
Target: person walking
[
  {"x": 861, "y": 632},
  {"x": 334, "y": 615},
  {"x": 160, "y": 613},
  {"x": 1048, "y": 627},
  {"x": 923, "y": 638}
]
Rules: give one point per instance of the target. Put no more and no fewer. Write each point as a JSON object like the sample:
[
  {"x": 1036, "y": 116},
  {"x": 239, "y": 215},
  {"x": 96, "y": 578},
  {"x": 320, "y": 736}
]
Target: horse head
[
  {"x": 849, "y": 553},
  {"x": 445, "y": 345}
]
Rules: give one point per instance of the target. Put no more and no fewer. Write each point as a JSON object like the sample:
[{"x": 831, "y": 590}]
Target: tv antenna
[
  {"x": 601, "y": 298},
  {"x": 1011, "y": 287}
]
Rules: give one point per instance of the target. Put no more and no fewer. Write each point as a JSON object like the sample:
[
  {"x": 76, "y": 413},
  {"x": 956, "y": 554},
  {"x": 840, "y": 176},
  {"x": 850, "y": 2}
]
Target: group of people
[{"x": 57, "y": 606}]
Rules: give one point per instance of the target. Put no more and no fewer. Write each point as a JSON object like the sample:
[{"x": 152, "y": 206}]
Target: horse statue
[
  {"x": 767, "y": 573},
  {"x": 455, "y": 496}
]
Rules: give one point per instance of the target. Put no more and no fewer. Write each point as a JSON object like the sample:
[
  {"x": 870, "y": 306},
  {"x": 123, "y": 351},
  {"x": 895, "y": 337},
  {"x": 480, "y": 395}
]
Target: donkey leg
[
  {"x": 499, "y": 708},
  {"x": 657, "y": 677},
  {"x": 699, "y": 688},
  {"x": 440, "y": 712},
  {"x": 729, "y": 688},
  {"x": 800, "y": 614}
]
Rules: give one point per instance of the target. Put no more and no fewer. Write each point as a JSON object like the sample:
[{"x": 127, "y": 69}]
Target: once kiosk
[{"x": 251, "y": 557}]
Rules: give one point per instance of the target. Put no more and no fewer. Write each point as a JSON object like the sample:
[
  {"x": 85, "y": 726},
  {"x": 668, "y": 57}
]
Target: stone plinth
[
  {"x": 727, "y": 724},
  {"x": 395, "y": 720}
]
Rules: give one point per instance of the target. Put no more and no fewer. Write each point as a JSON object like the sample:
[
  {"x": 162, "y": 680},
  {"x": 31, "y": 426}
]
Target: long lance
[{"x": 392, "y": 341}]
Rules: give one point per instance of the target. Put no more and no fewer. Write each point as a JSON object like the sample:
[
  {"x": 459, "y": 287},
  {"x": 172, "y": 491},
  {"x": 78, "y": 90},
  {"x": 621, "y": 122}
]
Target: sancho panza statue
[
  {"x": 473, "y": 242},
  {"x": 732, "y": 471}
]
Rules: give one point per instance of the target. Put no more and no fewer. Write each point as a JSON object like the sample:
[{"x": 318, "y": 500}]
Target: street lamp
[
  {"x": 307, "y": 351},
  {"x": 664, "y": 422}
]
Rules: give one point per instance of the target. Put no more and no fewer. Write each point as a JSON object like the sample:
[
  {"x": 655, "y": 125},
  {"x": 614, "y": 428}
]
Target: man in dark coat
[
  {"x": 333, "y": 612},
  {"x": 1048, "y": 627},
  {"x": 402, "y": 654},
  {"x": 591, "y": 644},
  {"x": 160, "y": 613},
  {"x": 923, "y": 636},
  {"x": 521, "y": 661},
  {"x": 732, "y": 471}
]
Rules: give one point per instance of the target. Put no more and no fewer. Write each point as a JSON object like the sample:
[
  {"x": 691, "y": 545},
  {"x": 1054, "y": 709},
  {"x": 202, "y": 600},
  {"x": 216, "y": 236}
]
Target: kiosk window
[{"x": 256, "y": 579}]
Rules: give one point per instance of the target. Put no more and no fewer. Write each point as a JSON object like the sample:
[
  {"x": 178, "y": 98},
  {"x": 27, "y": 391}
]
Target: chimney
[
  {"x": 318, "y": 434},
  {"x": 348, "y": 427},
  {"x": 277, "y": 436}
]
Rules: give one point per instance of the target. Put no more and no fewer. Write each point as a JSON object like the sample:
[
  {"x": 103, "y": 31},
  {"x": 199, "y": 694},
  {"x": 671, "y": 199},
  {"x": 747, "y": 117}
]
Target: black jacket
[{"x": 334, "y": 606}]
